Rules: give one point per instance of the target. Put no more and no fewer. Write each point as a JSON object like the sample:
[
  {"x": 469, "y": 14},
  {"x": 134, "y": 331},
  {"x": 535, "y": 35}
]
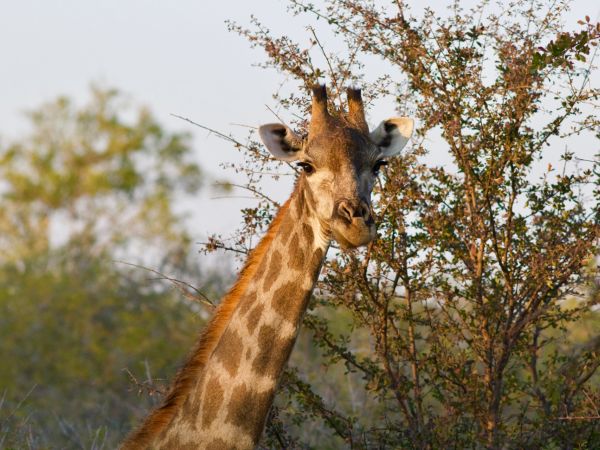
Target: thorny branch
[{"x": 181, "y": 286}]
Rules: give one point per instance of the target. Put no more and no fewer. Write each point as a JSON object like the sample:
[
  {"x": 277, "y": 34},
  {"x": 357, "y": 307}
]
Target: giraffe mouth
[{"x": 354, "y": 234}]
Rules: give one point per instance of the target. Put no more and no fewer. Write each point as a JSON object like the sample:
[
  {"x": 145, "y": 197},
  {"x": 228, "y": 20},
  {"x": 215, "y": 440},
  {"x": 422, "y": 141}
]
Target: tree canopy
[{"x": 464, "y": 321}]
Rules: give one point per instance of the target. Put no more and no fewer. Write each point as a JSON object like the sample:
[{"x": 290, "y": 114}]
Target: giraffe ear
[
  {"x": 281, "y": 141},
  {"x": 393, "y": 134}
]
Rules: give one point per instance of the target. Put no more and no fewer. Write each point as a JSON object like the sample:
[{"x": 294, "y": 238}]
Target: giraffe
[{"x": 221, "y": 396}]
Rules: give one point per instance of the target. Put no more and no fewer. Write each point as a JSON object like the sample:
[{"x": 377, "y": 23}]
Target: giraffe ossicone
[{"x": 221, "y": 396}]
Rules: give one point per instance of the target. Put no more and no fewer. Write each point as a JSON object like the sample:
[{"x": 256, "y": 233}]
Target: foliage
[
  {"x": 92, "y": 173},
  {"x": 81, "y": 332},
  {"x": 464, "y": 313}
]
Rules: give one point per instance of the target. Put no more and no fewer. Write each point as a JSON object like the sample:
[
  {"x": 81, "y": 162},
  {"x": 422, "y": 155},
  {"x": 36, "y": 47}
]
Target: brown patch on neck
[{"x": 192, "y": 370}]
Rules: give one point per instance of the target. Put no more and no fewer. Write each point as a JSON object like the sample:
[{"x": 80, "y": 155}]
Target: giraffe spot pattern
[
  {"x": 300, "y": 204},
  {"x": 289, "y": 300},
  {"x": 260, "y": 270},
  {"x": 287, "y": 226},
  {"x": 230, "y": 350},
  {"x": 309, "y": 235},
  {"x": 273, "y": 352},
  {"x": 248, "y": 409},
  {"x": 273, "y": 272},
  {"x": 190, "y": 411},
  {"x": 247, "y": 301},
  {"x": 317, "y": 258},
  {"x": 173, "y": 442},
  {"x": 254, "y": 317},
  {"x": 212, "y": 401},
  {"x": 219, "y": 444},
  {"x": 188, "y": 446},
  {"x": 297, "y": 258}
]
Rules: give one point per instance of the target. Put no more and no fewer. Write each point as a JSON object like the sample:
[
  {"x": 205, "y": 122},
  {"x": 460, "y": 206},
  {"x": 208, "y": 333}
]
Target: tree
[
  {"x": 461, "y": 316},
  {"x": 95, "y": 174},
  {"x": 81, "y": 332}
]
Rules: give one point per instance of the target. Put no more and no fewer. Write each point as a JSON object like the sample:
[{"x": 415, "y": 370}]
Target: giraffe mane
[{"x": 191, "y": 370}]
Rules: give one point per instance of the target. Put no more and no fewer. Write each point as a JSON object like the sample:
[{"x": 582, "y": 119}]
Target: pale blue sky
[{"x": 175, "y": 57}]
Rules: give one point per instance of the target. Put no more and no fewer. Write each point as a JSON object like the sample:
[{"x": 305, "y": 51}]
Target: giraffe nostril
[
  {"x": 358, "y": 212},
  {"x": 348, "y": 211},
  {"x": 345, "y": 210},
  {"x": 365, "y": 211}
]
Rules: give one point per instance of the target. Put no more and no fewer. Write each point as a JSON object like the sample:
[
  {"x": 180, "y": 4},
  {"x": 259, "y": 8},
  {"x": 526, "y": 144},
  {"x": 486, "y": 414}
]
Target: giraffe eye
[
  {"x": 306, "y": 167},
  {"x": 378, "y": 165}
]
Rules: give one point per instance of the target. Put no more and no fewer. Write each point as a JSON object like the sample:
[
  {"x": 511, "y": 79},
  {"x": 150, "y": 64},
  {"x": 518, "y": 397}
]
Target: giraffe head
[{"x": 340, "y": 159}]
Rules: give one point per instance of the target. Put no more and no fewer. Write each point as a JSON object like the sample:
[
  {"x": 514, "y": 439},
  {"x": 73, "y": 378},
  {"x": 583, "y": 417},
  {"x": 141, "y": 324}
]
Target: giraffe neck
[{"x": 233, "y": 392}]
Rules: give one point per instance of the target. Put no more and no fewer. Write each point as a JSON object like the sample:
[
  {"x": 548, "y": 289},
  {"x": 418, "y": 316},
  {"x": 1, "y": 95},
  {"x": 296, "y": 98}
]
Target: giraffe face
[
  {"x": 339, "y": 171},
  {"x": 340, "y": 161}
]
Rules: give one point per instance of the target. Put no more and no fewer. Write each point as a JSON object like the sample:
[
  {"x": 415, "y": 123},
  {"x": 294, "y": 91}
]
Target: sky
[{"x": 174, "y": 57}]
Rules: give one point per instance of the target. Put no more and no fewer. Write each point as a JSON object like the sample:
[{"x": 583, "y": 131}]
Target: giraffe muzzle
[{"x": 352, "y": 225}]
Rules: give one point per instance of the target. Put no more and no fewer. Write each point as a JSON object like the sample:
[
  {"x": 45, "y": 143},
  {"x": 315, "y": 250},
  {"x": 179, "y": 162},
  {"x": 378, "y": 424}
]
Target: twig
[
  {"x": 276, "y": 115},
  {"x": 248, "y": 188},
  {"x": 210, "y": 130},
  {"x": 223, "y": 247},
  {"x": 579, "y": 418},
  {"x": 585, "y": 160},
  {"x": 229, "y": 197},
  {"x": 144, "y": 386},
  {"x": 201, "y": 297},
  {"x": 224, "y": 136},
  {"x": 243, "y": 125},
  {"x": 324, "y": 53}
]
